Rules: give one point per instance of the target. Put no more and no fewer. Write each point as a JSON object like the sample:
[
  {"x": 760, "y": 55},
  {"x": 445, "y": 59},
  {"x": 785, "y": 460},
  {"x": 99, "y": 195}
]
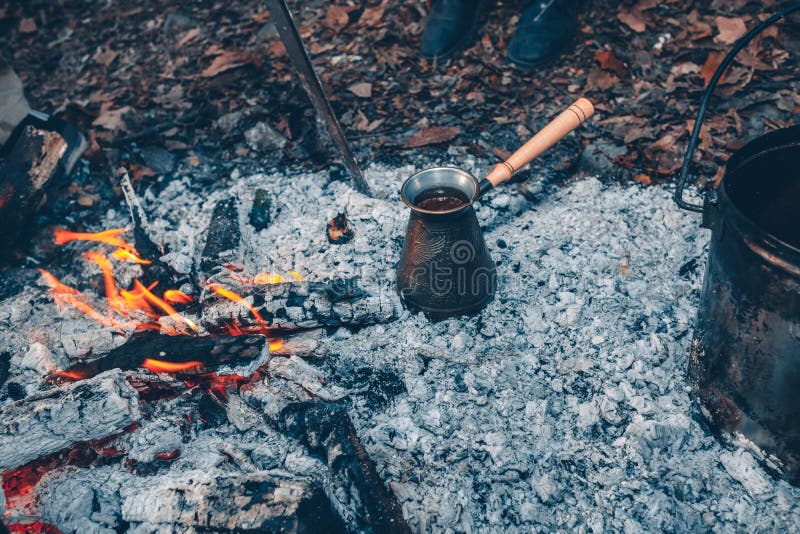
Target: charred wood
[
  {"x": 209, "y": 350},
  {"x": 298, "y": 305},
  {"x": 222, "y": 238},
  {"x": 255, "y": 502},
  {"x": 157, "y": 270},
  {"x": 48, "y": 422},
  {"x": 32, "y": 166},
  {"x": 327, "y": 430}
]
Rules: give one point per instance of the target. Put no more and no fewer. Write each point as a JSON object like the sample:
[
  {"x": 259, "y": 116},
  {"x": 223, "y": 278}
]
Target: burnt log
[
  {"x": 328, "y": 432},
  {"x": 326, "y": 429},
  {"x": 297, "y": 306},
  {"x": 32, "y": 166},
  {"x": 255, "y": 502},
  {"x": 209, "y": 350},
  {"x": 47, "y": 422}
]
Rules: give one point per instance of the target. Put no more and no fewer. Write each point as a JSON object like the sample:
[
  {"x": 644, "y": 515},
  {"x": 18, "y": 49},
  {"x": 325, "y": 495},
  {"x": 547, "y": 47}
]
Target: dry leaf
[
  {"x": 362, "y": 89},
  {"x": 87, "y": 200},
  {"x": 730, "y": 29},
  {"x": 27, "y": 26},
  {"x": 336, "y": 18},
  {"x": 600, "y": 79},
  {"x": 710, "y": 66},
  {"x": 687, "y": 67},
  {"x": 372, "y": 16},
  {"x": 433, "y": 135},
  {"x": 111, "y": 119},
  {"x": 609, "y": 61},
  {"x": 188, "y": 36},
  {"x": 226, "y": 61},
  {"x": 104, "y": 56},
  {"x": 643, "y": 179},
  {"x": 261, "y": 17},
  {"x": 633, "y": 19}
]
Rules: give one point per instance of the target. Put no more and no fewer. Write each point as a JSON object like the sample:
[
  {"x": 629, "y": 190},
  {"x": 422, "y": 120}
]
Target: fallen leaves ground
[{"x": 203, "y": 80}]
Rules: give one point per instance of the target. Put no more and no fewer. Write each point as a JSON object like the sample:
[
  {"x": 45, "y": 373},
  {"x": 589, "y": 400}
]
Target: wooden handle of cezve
[{"x": 569, "y": 119}]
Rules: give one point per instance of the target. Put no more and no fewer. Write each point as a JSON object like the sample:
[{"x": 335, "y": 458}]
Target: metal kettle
[{"x": 445, "y": 268}]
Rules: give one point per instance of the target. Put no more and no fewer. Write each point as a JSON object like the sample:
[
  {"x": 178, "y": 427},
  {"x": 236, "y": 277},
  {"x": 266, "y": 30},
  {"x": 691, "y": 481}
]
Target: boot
[
  {"x": 544, "y": 30},
  {"x": 450, "y": 28}
]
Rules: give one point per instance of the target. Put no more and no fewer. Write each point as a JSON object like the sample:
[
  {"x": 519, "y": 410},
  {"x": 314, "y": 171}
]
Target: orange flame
[
  {"x": 274, "y": 278},
  {"x": 230, "y": 295},
  {"x": 111, "y": 237},
  {"x": 108, "y": 274},
  {"x": 142, "y": 295},
  {"x": 63, "y": 294},
  {"x": 176, "y": 296},
  {"x": 160, "y": 366},
  {"x": 126, "y": 255},
  {"x": 275, "y": 344}
]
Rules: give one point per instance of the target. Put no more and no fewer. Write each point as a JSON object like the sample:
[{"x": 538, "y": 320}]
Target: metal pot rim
[
  {"x": 462, "y": 180},
  {"x": 763, "y": 242}
]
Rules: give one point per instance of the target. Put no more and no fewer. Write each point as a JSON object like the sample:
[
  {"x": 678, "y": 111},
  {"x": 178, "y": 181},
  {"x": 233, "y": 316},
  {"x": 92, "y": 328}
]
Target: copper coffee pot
[{"x": 445, "y": 268}]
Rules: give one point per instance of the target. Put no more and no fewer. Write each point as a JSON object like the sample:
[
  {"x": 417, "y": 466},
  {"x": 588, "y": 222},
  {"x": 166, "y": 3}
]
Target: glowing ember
[
  {"x": 267, "y": 278},
  {"x": 159, "y": 366},
  {"x": 72, "y": 375},
  {"x": 274, "y": 278},
  {"x": 275, "y": 344}
]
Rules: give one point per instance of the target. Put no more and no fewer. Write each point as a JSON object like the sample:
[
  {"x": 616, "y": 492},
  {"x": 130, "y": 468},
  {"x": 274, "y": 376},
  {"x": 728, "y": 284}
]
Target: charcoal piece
[
  {"x": 339, "y": 230},
  {"x": 222, "y": 238},
  {"x": 256, "y": 502},
  {"x": 5, "y": 364},
  {"x": 327, "y": 430},
  {"x": 149, "y": 344},
  {"x": 157, "y": 270},
  {"x": 297, "y": 305},
  {"x": 261, "y": 212},
  {"x": 158, "y": 159},
  {"x": 48, "y": 422}
]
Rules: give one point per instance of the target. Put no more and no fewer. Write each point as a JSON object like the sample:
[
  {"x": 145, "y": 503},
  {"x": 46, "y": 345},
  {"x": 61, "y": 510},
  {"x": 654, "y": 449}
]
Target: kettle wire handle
[{"x": 683, "y": 176}]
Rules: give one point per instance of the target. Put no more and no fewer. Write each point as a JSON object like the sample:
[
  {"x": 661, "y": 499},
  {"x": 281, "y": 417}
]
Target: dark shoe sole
[{"x": 521, "y": 64}]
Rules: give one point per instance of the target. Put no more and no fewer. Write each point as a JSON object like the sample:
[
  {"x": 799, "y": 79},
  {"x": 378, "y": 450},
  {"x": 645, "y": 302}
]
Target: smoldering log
[
  {"x": 327, "y": 429},
  {"x": 256, "y": 502},
  {"x": 48, "y": 422},
  {"x": 30, "y": 169},
  {"x": 222, "y": 237},
  {"x": 298, "y": 305},
  {"x": 208, "y": 350}
]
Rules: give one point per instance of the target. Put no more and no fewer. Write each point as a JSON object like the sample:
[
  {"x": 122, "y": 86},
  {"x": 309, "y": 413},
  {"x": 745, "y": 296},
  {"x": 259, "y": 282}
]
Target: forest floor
[{"x": 201, "y": 88}]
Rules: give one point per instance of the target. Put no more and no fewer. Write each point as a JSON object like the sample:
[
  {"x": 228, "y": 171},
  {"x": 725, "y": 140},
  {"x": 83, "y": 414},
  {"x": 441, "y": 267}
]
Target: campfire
[
  {"x": 417, "y": 347},
  {"x": 352, "y": 412}
]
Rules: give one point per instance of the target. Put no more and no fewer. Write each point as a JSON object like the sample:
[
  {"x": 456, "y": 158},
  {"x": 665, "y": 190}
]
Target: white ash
[
  {"x": 563, "y": 405},
  {"x": 51, "y": 421}
]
